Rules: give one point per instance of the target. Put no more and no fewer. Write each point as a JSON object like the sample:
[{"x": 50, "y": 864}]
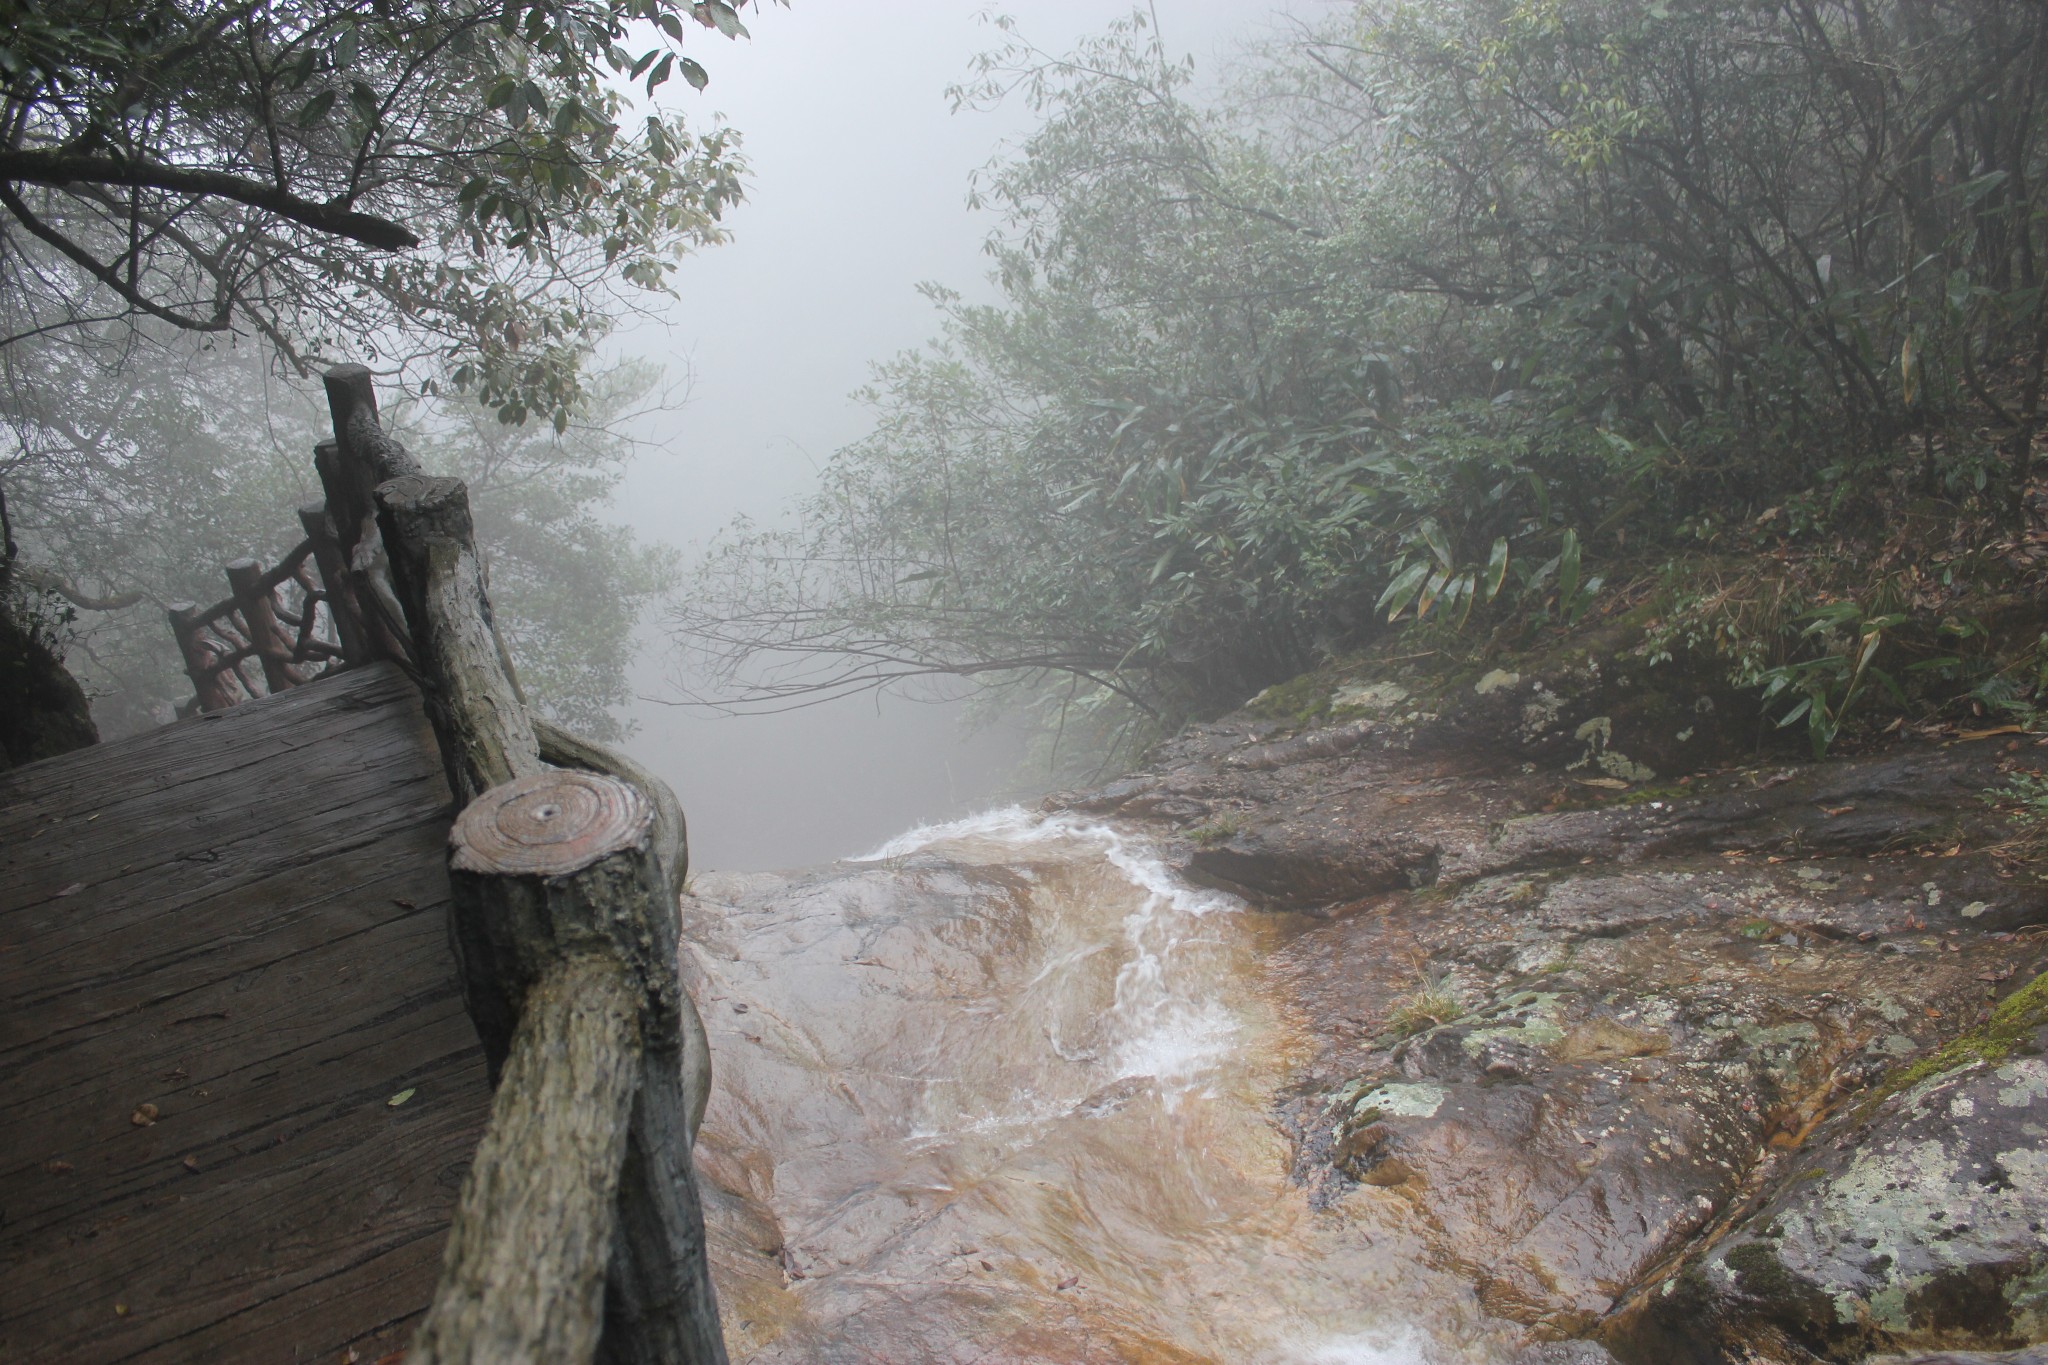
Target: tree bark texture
[
  {"x": 523, "y": 1278},
  {"x": 334, "y": 581},
  {"x": 485, "y": 734},
  {"x": 672, "y": 852},
  {"x": 564, "y": 864}
]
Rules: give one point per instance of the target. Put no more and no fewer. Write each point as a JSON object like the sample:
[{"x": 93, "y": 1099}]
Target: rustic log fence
[
  {"x": 579, "y": 1230},
  {"x": 282, "y": 619}
]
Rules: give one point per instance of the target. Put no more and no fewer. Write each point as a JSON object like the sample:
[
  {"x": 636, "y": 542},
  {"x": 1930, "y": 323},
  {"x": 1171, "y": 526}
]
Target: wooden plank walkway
[{"x": 241, "y": 920}]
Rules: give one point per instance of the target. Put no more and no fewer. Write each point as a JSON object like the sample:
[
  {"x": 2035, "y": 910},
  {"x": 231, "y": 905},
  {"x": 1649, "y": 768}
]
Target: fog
[{"x": 857, "y": 193}]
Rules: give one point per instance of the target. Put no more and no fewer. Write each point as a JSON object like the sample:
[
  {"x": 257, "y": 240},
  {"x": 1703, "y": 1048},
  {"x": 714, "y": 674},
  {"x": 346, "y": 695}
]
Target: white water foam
[
  {"x": 1170, "y": 1034},
  {"x": 1005, "y": 824},
  {"x": 1401, "y": 1348}
]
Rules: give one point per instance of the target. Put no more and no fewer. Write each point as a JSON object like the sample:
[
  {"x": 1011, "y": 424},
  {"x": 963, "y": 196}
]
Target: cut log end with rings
[{"x": 549, "y": 824}]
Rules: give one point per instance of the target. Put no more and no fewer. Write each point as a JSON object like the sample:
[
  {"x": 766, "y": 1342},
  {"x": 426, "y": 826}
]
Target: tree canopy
[
  {"x": 130, "y": 490},
  {"x": 1433, "y": 306},
  {"x": 464, "y": 183}
]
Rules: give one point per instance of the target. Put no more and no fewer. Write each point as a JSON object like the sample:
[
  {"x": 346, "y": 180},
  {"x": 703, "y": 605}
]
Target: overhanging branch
[
  {"x": 102, "y": 272},
  {"x": 60, "y": 169}
]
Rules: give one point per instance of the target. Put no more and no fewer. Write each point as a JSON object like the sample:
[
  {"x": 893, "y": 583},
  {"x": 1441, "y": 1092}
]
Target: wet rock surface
[
  {"x": 1920, "y": 1222},
  {"x": 1594, "y": 1022}
]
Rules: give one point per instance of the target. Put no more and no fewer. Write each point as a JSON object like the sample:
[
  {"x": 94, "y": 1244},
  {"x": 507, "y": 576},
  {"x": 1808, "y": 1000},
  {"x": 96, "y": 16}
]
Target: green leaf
[
  {"x": 1434, "y": 537},
  {"x": 728, "y": 22},
  {"x": 696, "y": 75},
  {"x": 400, "y": 1098},
  {"x": 1462, "y": 590},
  {"x": 1568, "y": 569},
  {"x": 1430, "y": 590},
  {"x": 346, "y": 45},
  {"x": 1403, "y": 589},
  {"x": 316, "y": 108},
  {"x": 1496, "y": 568}
]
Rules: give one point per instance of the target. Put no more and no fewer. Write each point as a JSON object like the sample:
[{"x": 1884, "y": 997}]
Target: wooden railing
[
  {"x": 579, "y": 1227},
  {"x": 284, "y": 620},
  {"x": 328, "y": 603}
]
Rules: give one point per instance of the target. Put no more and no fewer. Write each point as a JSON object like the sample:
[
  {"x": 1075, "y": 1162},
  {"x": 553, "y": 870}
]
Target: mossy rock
[{"x": 1917, "y": 1229}]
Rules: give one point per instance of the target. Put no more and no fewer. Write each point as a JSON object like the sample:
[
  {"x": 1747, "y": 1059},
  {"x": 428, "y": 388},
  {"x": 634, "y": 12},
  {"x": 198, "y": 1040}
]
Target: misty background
[{"x": 857, "y": 195}]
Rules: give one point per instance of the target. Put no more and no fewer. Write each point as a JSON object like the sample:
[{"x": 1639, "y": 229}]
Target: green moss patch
[{"x": 2010, "y": 1029}]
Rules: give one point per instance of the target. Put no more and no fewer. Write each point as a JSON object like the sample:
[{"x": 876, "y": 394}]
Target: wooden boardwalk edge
[{"x": 240, "y": 921}]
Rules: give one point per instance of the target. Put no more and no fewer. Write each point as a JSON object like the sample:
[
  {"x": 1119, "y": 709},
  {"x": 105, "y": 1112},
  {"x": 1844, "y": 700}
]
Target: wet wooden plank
[{"x": 241, "y": 921}]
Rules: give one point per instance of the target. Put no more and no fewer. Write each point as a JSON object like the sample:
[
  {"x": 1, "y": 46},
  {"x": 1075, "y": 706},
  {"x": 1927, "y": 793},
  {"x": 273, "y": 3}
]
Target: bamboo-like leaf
[
  {"x": 1568, "y": 570},
  {"x": 1464, "y": 590},
  {"x": 1402, "y": 590},
  {"x": 1439, "y": 544},
  {"x": 1430, "y": 590},
  {"x": 1496, "y": 568}
]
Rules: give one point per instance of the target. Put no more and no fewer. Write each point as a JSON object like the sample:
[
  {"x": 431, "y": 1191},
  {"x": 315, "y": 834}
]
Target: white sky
[{"x": 857, "y": 194}]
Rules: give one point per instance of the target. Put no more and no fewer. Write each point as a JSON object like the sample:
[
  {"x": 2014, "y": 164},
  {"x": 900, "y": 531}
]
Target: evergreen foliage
[{"x": 1431, "y": 310}]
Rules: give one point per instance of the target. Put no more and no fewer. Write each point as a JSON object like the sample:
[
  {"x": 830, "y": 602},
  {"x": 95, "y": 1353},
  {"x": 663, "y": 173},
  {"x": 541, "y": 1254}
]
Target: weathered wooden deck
[{"x": 241, "y": 920}]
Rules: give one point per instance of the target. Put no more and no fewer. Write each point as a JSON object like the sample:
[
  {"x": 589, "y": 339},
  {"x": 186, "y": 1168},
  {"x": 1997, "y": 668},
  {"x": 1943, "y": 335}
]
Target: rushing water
[{"x": 1001, "y": 1092}]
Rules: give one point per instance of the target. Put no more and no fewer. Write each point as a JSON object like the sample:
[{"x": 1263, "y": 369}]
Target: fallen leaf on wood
[
  {"x": 2000, "y": 975},
  {"x": 403, "y": 904},
  {"x": 70, "y": 890},
  {"x": 1608, "y": 783},
  {"x": 1832, "y": 811},
  {"x": 400, "y": 1098},
  {"x": 191, "y": 1163},
  {"x": 1069, "y": 1282},
  {"x": 1994, "y": 730},
  {"x": 144, "y": 1115},
  {"x": 57, "y": 1168},
  {"x": 986, "y": 1266}
]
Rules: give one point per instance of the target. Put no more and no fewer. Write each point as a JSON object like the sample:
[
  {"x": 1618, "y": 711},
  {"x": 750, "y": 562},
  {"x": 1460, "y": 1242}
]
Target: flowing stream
[{"x": 1001, "y": 1091}]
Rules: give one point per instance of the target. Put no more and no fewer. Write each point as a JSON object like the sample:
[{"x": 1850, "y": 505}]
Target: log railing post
[
  {"x": 273, "y": 646},
  {"x": 562, "y": 904},
  {"x": 550, "y": 874},
  {"x": 476, "y": 711},
  {"x": 362, "y": 456},
  {"x": 566, "y": 930},
  {"x": 208, "y": 686},
  {"x": 339, "y": 593}
]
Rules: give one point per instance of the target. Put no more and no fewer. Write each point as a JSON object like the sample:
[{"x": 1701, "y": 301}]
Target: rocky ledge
[{"x": 1728, "y": 1062}]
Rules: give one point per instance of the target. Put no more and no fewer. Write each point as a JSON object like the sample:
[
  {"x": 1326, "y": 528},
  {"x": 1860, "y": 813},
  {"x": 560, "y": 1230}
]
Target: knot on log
[{"x": 550, "y": 824}]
